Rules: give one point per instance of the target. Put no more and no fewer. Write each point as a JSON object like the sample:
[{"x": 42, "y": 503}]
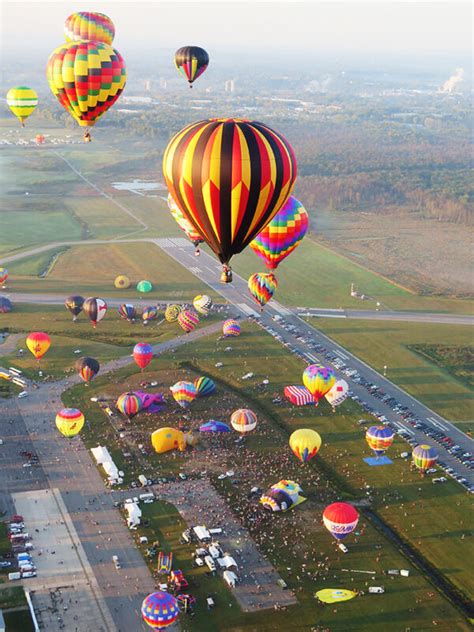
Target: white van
[
  {"x": 14, "y": 576},
  {"x": 376, "y": 590},
  {"x": 23, "y": 394},
  {"x": 116, "y": 562},
  {"x": 210, "y": 563},
  {"x": 28, "y": 574},
  {"x": 147, "y": 498},
  {"x": 214, "y": 552}
]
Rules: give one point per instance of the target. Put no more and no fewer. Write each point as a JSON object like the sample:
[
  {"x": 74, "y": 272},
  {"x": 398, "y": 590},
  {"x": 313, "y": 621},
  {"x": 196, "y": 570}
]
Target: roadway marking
[
  {"x": 195, "y": 270},
  {"x": 164, "y": 242},
  {"x": 280, "y": 309},
  {"x": 409, "y": 430},
  {"x": 247, "y": 310},
  {"x": 340, "y": 354}
]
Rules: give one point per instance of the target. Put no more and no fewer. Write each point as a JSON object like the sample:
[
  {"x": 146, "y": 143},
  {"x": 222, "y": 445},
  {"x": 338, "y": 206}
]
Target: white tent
[
  {"x": 230, "y": 578},
  {"x": 101, "y": 454},
  {"x": 228, "y": 561},
  {"x": 202, "y": 533},
  {"x": 134, "y": 514}
]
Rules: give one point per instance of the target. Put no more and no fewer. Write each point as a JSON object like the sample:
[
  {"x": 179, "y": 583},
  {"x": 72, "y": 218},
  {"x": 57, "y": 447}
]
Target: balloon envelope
[
  {"x": 160, "y": 610},
  {"x": 74, "y": 305},
  {"x": 188, "y": 320},
  {"x": 149, "y": 313},
  {"x": 340, "y": 519},
  {"x": 166, "y": 439},
  {"x": 305, "y": 444},
  {"x": 89, "y": 26},
  {"x": 262, "y": 286},
  {"x": 424, "y": 456},
  {"x": 191, "y": 62},
  {"x": 172, "y": 312},
  {"x": 379, "y": 438},
  {"x": 243, "y": 420},
  {"x": 87, "y": 368},
  {"x": 3, "y": 275},
  {"x": 204, "y": 386},
  {"x": 202, "y": 304},
  {"x": 5, "y": 305},
  {"x": 129, "y": 404},
  {"x": 69, "y": 421},
  {"x": 338, "y": 393},
  {"x": 127, "y": 312},
  {"x": 318, "y": 380},
  {"x": 214, "y": 426},
  {"x": 183, "y": 393},
  {"x": 230, "y": 328},
  {"x": 185, "y": 225},
  {"x": 22, "y": 101},
  {"x": 122, "y": 282},
  {"x": 144, "y": 286},
  {"x": 38, "y": 343},
  {"x": 95, "y": 309},
  {"x": 142, "y": 354}
]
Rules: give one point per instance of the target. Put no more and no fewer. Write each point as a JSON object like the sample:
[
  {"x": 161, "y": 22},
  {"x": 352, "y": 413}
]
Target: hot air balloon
[
  {"x": 230, "y": 328},
  {"x": 5, "y": 305},
  {"x": 229, "y": 177},
  {"x": 424, "y": 456},
  {"x": 282, "y": 496},
  {"x": 340, "y": 519},
  {"x": 69, "y": 421},
  {"x": 183, "y": 393},
  {"x": 122, "y": 282},
  {"x": 87, "y": 26},
  {"x": 144, "y": 286},
  {"x": 129, "y": 404},
  {"x": 38, "y": 343},
  {"x": 282, "y": 235},
  {"x": 3, "y": 275},
  {"x": 338, "y": 393},
  {"x": 204, "y": 386},
  {"x": 318, "y": 380},
  {"x": 191, "y": 62},
  {"x": 40, "y": 139},
  {"x": 149, "y": 313},
  {"x": 262, "y": 286},
  {"x": 95, "y": 309},
  {"x": 185, "y": 225},
  {"x": 172, "y": 312},
  {"x": 86, "y": 78},
  {"x": 214, "y": 426},
  {"x": 142, "y": 354},
  {"x": 87, "y": 368},
  {"x": 188, "y": 320},
  {"x": 243, "y": 420},
  {"x": 379, "y": 438},
  {"x": 74, "y": 304},
  {"x": 202, "y": 304},
  {"x": 160, "y": 610},
  {"x": 305, "y": 444},
  {"x": 166, "y": 439},
  {"x": 22, "y": 101},
  {"x": 127, "y": 312}
]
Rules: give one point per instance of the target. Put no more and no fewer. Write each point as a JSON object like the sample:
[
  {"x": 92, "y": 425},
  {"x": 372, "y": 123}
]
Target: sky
[{"x": 296, "y": 28}]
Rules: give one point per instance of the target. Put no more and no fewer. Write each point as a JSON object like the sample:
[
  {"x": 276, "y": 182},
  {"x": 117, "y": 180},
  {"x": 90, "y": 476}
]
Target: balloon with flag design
[{"x": 95, "y": 309}]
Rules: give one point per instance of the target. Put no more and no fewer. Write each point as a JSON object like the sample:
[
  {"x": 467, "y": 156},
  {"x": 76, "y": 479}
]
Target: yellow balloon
[
  {"x": 305, "y": 444},
  {"x": 165, "y": 439},
  {"x": 22, "y": 101},
  {"x": 122, "y": 282},
  {"x": 69, "y": 421}
]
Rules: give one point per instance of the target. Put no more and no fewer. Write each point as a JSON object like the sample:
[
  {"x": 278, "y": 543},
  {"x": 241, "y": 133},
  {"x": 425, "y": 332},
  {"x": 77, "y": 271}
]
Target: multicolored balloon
[
  {"x": 379, "y": 439},
  {"x": 185, "y": 225},
  {"x": 22, "y": 101},
  {"x": 38, "y": 343},
  {"x": 95, "y": 309},
  {"x": 129, "y": 404},
  {"x": 126, "y": 311},
  {"x": 229, "y": 177},
  {"x": 262, "y": 286},
  {"x": 172, "y": 312},
  {"x": 204, "y": 386},
  {"x": 74, "y": 305},
  {"x": 142, "y": 354},
  {"x": 243, "y": 420},
  {"x": 340, "y": 519},
  {"x": 282, "y": 234},
  {"x": 144, "y": 286},
  {"x": 184, "y": 393},
  {"x": 338, "y": 393},
  {"x": 188, "y": 320},
  {"x": 202, "y": 304},
  {"x": 69, "y": 421},
  {"x": 230, "y": 328},
  {"x": 122, "y": 282},
  {"x": 3, "y": 275},
  {"x": 87, "y": 368},
  {"x": 424, "y": 456},
  {"x": 149, "y": 313},
  {"x": 318, "y": 379},
  {"x": 5, "y": 305},
  {"x": 88, "y": 26},
  {"x": 305, "y": 444},
  {"x": 191, "y": 62},
  {"x": 160, "y": 610},
  {"x": 214, "y": 426},
  {"x": 86, "y": 78}
]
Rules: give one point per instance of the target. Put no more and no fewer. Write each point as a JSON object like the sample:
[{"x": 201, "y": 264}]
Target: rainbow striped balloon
[
  {"x": 149, "y": 313},
  {"x": 282, "y": 234},
  {"x": 129, "y": 404},
  {"x": 184, "y": 393},
  {"x": 88, "y": 26},
  {"x": 243, "y": 420},
  {"x": 69, "y": 421},
  {"x": 379, "y": 438},
  {"x": 318, "y": 379},
  {"x": 424, "y": 456},
  {"x": 204, "y": 386},
  {"x": 188, "y": 320},
  {"x": 262, "y": 286},
  {"x": 231, "y": 328}
]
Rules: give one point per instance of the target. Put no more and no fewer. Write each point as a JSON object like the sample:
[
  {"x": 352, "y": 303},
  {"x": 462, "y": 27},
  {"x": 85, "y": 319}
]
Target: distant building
[
  {"x": 229, "y": 85},
  {"x": 147, "y": 85}
]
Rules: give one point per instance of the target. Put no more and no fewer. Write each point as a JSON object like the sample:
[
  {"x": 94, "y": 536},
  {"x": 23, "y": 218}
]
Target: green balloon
[{"x": 144, "y": 286}]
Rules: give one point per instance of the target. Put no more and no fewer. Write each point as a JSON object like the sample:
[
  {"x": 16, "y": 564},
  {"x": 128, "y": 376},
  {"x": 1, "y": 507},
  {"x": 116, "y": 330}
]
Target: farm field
[{"x": 457, "y": 361}]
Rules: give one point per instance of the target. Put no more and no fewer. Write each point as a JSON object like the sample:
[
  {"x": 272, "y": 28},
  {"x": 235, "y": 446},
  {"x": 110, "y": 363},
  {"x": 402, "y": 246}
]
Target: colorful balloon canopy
[
  {"x": 172, "y": 312},
  {"x": 86, "y": 78},
  {"x": 127, "y": 311},
  {"x": 166, "y": 439},
  {"x": 229, "y": 177},
  {"x": 74, "y": 305},
  {"x": 22, "y": 101},
  {"x": 318, "y": 379},
  {"x": 243, "y": 420},
  {"x": 305, "y": 444},
  {"x": 282, "y": 234},
  {"x": 184, "y": 393},
  {"x": 230, "y": 328},
  {"x": 379, "y": 438},
  {"x": 424, "y": 456},
  {"x": 185, "y": 225},
  {"x": 129, "y": 404},
  {"x": 122, "y": 282},
  {"x": 87, "y": 368},
  {"x": 38, "y": 343},
  {"x": 334, "y": 595},
  {"x": 262, "y": 286},
  {"x": 160, "y": 610},
  {"x": 3, "y": 275},
  {"x": 69, "y": 421},
  {"x": 188, "y": 320},
  {"x": 214, "y": 426},
  {"x": 282, "y": 496},
  {"x": 88, "y": 26},
  {"x": 340, "y": 519},
  {"x": 142, "y": 354},
  {"x": 149, "y": 313},
  {"x": 95, "y": 309},
  {"x": 5, "y": 305},
  {"x": 144, "y": 286},
  {"x": 202, "y": 304},
  {"x": 191, "y": 62},
  {"x": 204, "y": 386},
  {"x": 338, "y": 393}
]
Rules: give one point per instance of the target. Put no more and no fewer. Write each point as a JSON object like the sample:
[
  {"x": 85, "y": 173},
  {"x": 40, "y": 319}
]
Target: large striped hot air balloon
[
  {"x": 185, "y": 225},
  {"x": 188, "y": 320},
  {"x": 424, "y": 456},
  {"x": 22, "y": 101},
  {"x": 69, "y": 421},
  {"x": 262, "y": 286},
  {"x": 149, "y": 313},
  {"x": 318, "y": 380},
  {"x": 243, "y": 420},
  {"x": 126, "y": 311},
  {"x": 142, "y": 354},
  {"x": 87, "y": 368},
  {"x": 229, "y": 177},
  {"x": 204, "y": 386},
  {"x": 340, "y": 519},
  {"x": 305, "y": 444},
  {"x": 191, "y": 62},
  {"x": 129, "y": 404},
  {"x": 230, "y": 328},
  {"x": 282, "y": 235},
  {"x": 160, "y": 610},
  {"x": 38, "y": 343},
  {"x": 202, "y": 304},
  {"x": 88, "y": 26},
  {"x": 183, "y": 393},
  {"x": 379, "y": 439}
]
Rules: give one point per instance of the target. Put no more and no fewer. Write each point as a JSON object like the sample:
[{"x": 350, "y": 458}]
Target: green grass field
[
  {"x": 457, "y": 361},
  {"x": 381, "y": 344},
  {"x": 17, "y": 620}
]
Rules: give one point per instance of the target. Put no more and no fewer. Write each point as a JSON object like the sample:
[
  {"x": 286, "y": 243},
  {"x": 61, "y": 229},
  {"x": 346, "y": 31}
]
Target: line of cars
[{"x": 21, "y": 547}]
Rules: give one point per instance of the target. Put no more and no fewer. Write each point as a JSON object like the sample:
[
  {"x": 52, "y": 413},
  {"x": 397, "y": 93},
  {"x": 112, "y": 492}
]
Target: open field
[
  {"x": 18, "y": 620},
  {"x": 422, "y": 514},
  {"x": 381, "y": 344},
  {"x": 457, "y": 361}
]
